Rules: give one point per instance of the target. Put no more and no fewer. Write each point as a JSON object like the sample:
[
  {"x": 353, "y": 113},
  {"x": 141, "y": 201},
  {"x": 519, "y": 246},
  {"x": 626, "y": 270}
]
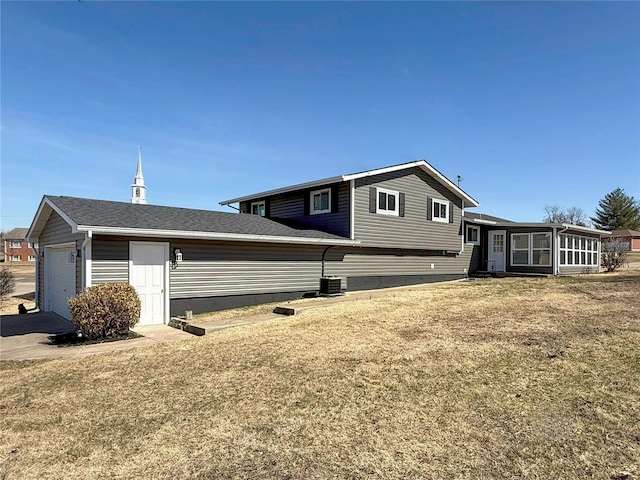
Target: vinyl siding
[
  {"x": 374, "y": 262},
  {"x": 55, "y": 232},
  {"x": 243, "y": 268},
  {"x": 413, "y": 230},
  {"x": 110, "y": 260},
  {"x": 290, "y": 206}
]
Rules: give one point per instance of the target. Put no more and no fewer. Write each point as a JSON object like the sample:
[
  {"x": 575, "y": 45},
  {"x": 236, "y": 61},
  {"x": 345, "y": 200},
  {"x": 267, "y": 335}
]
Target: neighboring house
[
  {"x": 17, "y": 248},
  {"x": 500, "y": 245},
  {"x": 393, "y": 226},
  {"x": 631, "y": 237}
]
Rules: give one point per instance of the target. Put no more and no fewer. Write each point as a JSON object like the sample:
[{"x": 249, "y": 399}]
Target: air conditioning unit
[{"x": 330, "y": 286}]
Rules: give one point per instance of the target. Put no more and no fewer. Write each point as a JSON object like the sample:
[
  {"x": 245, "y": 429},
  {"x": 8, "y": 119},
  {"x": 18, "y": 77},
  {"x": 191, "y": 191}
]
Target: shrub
[
  {"x": 105, "y": 310},
  {"x": 7, "y": 283}
]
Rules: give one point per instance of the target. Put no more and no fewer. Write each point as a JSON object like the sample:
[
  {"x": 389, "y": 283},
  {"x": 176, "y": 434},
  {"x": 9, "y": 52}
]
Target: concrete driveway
[{"x": 25, "y": 337}]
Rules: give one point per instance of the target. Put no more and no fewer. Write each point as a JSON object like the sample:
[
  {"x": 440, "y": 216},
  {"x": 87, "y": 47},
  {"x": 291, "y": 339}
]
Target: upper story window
[
  {"x": 259, "y": 208},
  {"x": 320, "y": 201},
  {"x": 388, "y": 201},
  {"x": 15, "y": 244},
  {"x": 32, "y": 258},
  {"x": 15, "y": 258},
  {"x": 473, "y": 234},
  {"x": 440, "y": 209},
  {"x": 33, "y": 245}
]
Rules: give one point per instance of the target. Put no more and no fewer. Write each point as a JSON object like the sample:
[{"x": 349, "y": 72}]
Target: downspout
[
  {"x": 37, "y": 250},
  {"x": 323, "y": 257},
  {"x": 86, "y": 260},
  {"x": 463, "y": 226},
  {"x": 556, "y": 244}
]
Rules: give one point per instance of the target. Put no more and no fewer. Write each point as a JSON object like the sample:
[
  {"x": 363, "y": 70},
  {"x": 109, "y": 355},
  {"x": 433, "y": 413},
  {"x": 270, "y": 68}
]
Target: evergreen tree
[{"x": 617, "y": 211}]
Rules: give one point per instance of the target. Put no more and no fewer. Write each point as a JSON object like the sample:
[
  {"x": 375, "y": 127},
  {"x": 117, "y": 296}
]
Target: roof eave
[
  {"x": 342, "y": 178},
  {"x": 156, "y": 233}
]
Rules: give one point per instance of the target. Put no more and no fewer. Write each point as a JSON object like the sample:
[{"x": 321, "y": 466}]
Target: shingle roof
[
  {"x": 483, "y": 216},
  {"x": 625, "y": 233},
  {"x": 120, "y": 215},
  {"x": 17, "y": 234}
]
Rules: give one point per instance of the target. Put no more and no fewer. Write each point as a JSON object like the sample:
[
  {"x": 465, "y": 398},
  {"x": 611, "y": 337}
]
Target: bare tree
[
  {"x": 7, "y": 284},
  {"x": 614, "y": 253},
  {"x": 572, "y": 215}
]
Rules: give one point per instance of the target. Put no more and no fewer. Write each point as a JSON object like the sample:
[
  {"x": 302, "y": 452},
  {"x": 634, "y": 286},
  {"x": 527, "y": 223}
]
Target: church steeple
[{"x": 138, "y": 190}]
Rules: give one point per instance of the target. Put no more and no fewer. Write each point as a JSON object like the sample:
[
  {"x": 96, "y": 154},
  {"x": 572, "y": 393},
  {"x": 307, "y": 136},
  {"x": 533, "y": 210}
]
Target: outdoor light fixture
[{"x": 177, "y": 257}]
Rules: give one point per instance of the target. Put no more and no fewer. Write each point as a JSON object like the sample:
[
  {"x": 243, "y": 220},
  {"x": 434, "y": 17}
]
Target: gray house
[
  {"x": 399, "y": 225},
  {"x": 500, "y": 245}
]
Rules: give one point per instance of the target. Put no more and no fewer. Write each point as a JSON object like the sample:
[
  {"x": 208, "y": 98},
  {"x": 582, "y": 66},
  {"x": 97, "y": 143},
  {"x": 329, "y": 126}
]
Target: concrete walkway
[{"x": 25, "y": 337}]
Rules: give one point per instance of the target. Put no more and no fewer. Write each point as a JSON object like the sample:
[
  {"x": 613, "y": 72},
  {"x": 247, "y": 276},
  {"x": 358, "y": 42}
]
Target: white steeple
[{"x": 138, "y": 190}]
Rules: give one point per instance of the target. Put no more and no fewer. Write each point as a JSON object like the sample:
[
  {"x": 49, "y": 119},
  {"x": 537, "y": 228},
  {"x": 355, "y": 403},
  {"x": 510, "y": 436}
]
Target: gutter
[{"x": 153, "y": 233}]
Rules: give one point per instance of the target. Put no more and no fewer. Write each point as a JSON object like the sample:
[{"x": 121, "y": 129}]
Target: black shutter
[
  {"x": 450, "y": 212},
  {"x": 429, "y": 208},
  {"x": 305, "y": 196},
  {"x": 373, "y": 199},
  {"x": 334, "y": 199},
  {"x": 401, "y": 204},
  {"x": 267, "y": 207}
]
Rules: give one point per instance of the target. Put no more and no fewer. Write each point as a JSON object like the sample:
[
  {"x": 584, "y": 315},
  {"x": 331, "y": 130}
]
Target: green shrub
[{"x": 105, "y": 310}]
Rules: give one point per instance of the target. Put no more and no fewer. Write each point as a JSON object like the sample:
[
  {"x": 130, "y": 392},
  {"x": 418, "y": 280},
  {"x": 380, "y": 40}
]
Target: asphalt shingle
[{"x": 104, "y": 213}]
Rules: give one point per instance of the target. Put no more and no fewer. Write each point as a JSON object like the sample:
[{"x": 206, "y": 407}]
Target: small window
[
  {"x": 16, "y": 244},
  {"x": 258, "y": 208},
  {"x": 321, "y": 201},
  {"x": 387, "y": 202},
  {"x": 15, "y": 258},
  {"x": 473, "y": 234},
  {"x": 440, "y": 211},
  {"x": 32, "y": 258}
]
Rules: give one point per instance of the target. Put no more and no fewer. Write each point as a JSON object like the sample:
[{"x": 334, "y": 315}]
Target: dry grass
[{"x": 510, "y": 378}]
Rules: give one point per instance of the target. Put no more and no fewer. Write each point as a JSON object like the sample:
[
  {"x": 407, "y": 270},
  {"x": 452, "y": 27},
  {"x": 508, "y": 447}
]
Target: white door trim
[
  {"x": 165, "y": 320},
  {"x": 47, "y": 271},
  {"x": 490, "y": 251}
]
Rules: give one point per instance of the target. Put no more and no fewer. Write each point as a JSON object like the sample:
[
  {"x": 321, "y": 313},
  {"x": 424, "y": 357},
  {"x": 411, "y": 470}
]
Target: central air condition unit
[{"x": 330, "y": 286}]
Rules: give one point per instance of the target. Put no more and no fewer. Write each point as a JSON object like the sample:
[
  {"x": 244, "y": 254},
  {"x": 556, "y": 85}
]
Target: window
[
  {"x": 578, "y": 250},
  {"x": 520, "y": 249},
  {"x": 541, "y": 249},
  {"x": 321, "y": 201},
  {"x": 15, "y": 244},
  {"x": 15, "y": 258},
  {"x": 473, "y": 234},
  {"x": 258, "y": 208},
  {"x": 387, "y": 202},
  {"x": 32, "y": 258},
  {"x": 440, "y": 210},
  {"x": 33, "y": 245},
  {"x": 531, "y": 249}
]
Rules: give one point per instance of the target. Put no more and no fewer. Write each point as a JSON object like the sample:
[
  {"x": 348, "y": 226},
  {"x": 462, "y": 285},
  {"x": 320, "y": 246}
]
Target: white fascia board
[
  {"x": 585, "y": 229},
  {"x": 369, "y": 173},
  {"x": 480, "y": 220},
  {"x": 37, "y": 225},
  {"x": 139, "y": 232},
  {"x": 300, "y": 186}
]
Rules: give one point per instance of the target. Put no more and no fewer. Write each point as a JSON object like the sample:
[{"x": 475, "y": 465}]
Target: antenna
[{"x": 459, "y": 178}]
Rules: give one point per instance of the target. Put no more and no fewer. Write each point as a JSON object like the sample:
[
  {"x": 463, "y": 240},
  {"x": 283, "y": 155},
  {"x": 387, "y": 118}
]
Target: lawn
[{"x": 497, "y": 378}]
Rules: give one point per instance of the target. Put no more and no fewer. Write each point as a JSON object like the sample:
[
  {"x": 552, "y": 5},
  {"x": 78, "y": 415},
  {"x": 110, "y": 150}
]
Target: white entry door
[
  {"x": 148, "y": 274},
  {"x": 496, "y": 250},
  {"x": 60, "y": 271}
]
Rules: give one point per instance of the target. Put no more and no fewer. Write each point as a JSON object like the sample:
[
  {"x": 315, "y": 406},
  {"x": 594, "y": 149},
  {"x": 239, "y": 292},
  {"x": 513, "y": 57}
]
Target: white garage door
[{"x": 60, "y": 271}]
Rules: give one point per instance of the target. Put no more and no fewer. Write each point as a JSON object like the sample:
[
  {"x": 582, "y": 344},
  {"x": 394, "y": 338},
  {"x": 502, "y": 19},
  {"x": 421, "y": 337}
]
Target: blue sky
[{"x": 531, "y": 103}]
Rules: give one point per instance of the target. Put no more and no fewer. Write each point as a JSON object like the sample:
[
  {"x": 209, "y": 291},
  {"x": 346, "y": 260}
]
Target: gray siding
[
  {"x": 290, "y": 206},
  {"x": 110, "y": 260},
  {"x": 413, "y": 230},
  {"x": 223, "y": 268},
  {"x": 55, "y": 232},
  {"x": 577, "y": 269}
]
